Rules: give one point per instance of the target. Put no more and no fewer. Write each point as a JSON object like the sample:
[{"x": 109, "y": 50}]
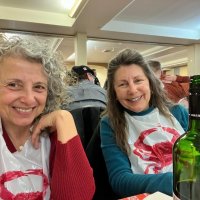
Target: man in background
[
  {"x": 177, "y": 87},
  {"x": 85, "y": 92}
]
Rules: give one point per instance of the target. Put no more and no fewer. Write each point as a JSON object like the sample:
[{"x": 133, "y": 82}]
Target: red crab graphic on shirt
[
  {"x": 160, "y": 153},
  {"x": 5, "y": 194}
]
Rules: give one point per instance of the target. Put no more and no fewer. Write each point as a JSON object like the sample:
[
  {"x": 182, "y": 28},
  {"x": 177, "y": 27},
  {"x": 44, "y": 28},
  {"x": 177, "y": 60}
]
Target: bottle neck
[
  {"x": 194, "y": 123},
  {"x": 194, "y": 111}
]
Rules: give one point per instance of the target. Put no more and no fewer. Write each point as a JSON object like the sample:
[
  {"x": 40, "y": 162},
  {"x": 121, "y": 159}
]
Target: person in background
[
  {"x": 85, "y": 92},
  {"x": 139, "y": 128},
  {"x": 177, "y": 87},
  {"x": 96, "y": 80},
  {"x": 183, "y": 81},
  {"x": 41, "y": 152},
  {"x": 105, "y": 86},
  {"x": 180, "y": 79}
]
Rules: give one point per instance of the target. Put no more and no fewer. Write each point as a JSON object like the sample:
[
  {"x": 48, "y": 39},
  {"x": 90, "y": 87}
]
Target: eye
[
  {"x": 138, "y": 81},
  {"x": 122, "y": 84},
  {"x": 13, "y": 85},
  {"x": 40, "y": 87}
]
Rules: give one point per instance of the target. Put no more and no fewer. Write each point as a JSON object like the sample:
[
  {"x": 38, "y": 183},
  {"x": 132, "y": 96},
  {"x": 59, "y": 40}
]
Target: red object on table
[{"x": 136, "y": 197}]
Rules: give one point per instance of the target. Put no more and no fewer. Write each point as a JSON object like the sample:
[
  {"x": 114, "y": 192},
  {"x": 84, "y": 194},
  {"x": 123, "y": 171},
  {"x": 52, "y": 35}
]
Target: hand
[
  {"x": 169, "y": 78},
  {"x": 60, "y": 121}
]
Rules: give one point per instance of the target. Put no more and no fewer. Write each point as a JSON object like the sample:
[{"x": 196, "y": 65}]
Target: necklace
[{"x": 19, "y": 145}]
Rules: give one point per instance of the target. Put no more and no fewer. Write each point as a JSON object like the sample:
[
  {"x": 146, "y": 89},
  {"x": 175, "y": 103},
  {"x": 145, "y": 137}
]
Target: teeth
[
  {"x": 24, "y": 109},
  {"x": 135, "y": 99}
]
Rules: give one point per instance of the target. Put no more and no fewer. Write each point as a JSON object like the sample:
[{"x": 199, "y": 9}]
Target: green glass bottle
[{"x": 186, "y": 151}]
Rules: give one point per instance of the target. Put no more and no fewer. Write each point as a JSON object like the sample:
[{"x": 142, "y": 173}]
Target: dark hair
[
  {"x": 114, "y": 109},
  {"x": 154, "y": 65}
]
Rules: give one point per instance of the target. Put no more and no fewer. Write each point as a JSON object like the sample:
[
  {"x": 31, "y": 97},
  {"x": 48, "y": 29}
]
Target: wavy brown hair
[{"x": 115, "y": 110}]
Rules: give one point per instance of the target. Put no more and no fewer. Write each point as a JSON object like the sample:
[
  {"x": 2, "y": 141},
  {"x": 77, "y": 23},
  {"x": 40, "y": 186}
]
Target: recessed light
[{"x": 108, "y": 50}]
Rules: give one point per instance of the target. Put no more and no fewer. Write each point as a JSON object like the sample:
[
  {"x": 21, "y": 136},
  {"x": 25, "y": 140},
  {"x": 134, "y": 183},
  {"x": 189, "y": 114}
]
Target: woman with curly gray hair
[
  {"x": 139, "y": 128},
  {"x": 33, "y": 163}
]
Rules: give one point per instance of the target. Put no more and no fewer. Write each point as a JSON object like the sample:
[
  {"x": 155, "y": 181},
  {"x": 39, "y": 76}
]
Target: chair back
[
  {"x": 96, "y": 159},
  {"x": 86, "y": 120}
]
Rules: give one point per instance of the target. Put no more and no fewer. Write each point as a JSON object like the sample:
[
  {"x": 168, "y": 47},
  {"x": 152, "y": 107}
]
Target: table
[{"x": 145, "y": 196}]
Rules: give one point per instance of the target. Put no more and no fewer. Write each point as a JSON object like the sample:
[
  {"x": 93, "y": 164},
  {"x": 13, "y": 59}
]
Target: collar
[
  {"x": 8, "y": 142},
  {"x": 132, "y": 113}
]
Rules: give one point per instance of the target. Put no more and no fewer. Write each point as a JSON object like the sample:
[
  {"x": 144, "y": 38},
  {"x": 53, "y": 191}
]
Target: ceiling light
[
  {"x": 68, "y": 4},
  {"x": 108, "y": 50}
]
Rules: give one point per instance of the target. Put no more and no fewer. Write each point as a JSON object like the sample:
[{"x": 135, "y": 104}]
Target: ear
[{"x": 90, "y": 77}]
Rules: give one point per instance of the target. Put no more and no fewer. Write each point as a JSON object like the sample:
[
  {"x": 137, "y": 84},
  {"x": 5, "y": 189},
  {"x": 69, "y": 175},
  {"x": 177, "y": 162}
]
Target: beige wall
[{"x": 183, "y": 71}]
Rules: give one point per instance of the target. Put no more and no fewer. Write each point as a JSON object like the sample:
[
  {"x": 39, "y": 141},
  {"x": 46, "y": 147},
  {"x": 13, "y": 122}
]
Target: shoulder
[
  {"x": 177, "y": 109},
  {"x": 70, "y": 89},
  {"x": 88, "y": 85},
  {"x": 98, "y": 88},
  {"x": 181, "y": 114},
  {"x": 105, "y": 119},
  {"x": 105, "y": 125},
  {"x": 182, "y": 79}
]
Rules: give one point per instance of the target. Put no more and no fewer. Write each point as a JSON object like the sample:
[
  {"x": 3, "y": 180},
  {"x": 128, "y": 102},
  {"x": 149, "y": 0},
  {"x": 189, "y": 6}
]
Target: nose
[
  {"x": 27, "y": 96},
  {"x": 132, "y": 88}
]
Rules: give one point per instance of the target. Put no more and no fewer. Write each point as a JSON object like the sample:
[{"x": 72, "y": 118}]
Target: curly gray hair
[{"x": 53, "y": 63}]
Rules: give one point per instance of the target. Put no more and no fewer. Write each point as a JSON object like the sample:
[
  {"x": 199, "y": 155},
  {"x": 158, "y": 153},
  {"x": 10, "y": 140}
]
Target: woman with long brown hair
[{"x": 139, "y": 128}]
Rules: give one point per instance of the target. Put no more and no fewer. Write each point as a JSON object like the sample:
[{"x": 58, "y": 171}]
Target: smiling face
[
  {"x": 23, "y": 91},
  {"x": 132, "y": 88}
]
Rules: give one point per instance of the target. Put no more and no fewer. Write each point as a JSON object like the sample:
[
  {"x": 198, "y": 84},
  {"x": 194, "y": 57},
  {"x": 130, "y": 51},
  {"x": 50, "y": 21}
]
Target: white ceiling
[{"x": 159, "y": 29}]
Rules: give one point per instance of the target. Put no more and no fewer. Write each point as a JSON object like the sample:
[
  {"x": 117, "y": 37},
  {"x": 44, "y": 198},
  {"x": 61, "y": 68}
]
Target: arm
[
  {"x": 71, "y": 175},
  {"x": 182, "y": 79},
  {"x": 123, "y": 181},
  {"x": 177, "y": 78},
  {"x": 181, "y": 114}
]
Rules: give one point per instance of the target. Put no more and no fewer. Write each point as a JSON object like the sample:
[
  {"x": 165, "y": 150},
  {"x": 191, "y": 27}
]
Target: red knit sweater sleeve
[
  {"x": 71, "y": 174},
  {"x": 182, "y": 79}
]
